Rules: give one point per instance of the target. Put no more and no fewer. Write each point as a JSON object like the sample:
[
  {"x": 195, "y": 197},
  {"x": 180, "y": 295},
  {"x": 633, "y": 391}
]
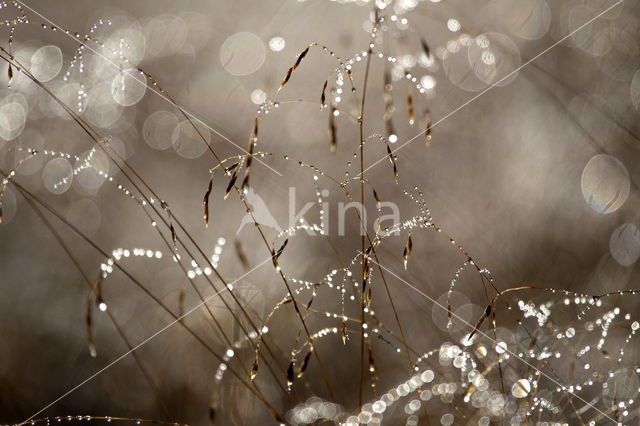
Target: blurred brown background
[{"x": 504, "y": 175}]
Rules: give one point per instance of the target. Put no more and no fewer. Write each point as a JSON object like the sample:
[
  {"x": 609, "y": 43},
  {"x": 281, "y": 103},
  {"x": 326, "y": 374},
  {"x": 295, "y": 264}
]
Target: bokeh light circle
[
  {"x": 188, "y": 143},
  {"x": 276, "y": 44},
  {"x": 530, "y": 19},
  {"x": 128, "y": 87},
  {"x": 457, "y": 68},
  {"x": 69, "y": 93},
  {"x": 46, "y": 63},
  {"x": 521, "y": 388},
  {"x": 165, "y": 35},
  {"x": 242, "y": 53},
  {"x": 12, "y": 119},
  {"x": 92, "y": 169},
  {"x": 126, "y": 41},
  {"x": 625, "y": 244},
  {"x": 258, "y": 96},
  {"x": 494, "y": 58},
  {"x": 159, "y": 129},
  {"x": 102, "y": 110},
  {"x": 605, "y": 183},
  {"x": 57, "y": 175}
]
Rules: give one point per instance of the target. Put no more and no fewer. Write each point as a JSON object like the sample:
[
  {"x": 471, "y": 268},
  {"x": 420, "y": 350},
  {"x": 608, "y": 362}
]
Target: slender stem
[{"x": 363, "y": 224}]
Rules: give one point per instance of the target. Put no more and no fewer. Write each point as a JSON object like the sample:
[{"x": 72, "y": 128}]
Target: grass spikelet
[
  {"x": 173, "y": 233},
  {"x": 281, "y": 249},
  {"x": 290, "y": 375},
  {"x": 333, "y": 138},
  {"x": 427, "y": 131},
  {"x": 165, "y": 207},
  {"x": 301, "y": 57},
  {"x": 10, "y": 75},
  {"x": 305, "y": 363},
  {"x": 323, "y": 96},
  {"x": 245, "y": 183},
  {"x": 365, "y": 271},
  {"x": 392, "y": 159},
  {"x": 410, "y": 111},
  {"x": 376, "y": 197},
  {"x": 276, "y": 255},
  {"x": 287, "y": 75},
  {"x": 407, "y": 251},
  {"x": 254, "y": 369},
  {"x": 205, "y": 202},
  {"x": 252, "y": 143},
  {"x": 232, "y": 182},
  {"x": 286, "y": 78},
  {"x": 486, "y": 314},
  {"x": 231, "y": 168}
]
